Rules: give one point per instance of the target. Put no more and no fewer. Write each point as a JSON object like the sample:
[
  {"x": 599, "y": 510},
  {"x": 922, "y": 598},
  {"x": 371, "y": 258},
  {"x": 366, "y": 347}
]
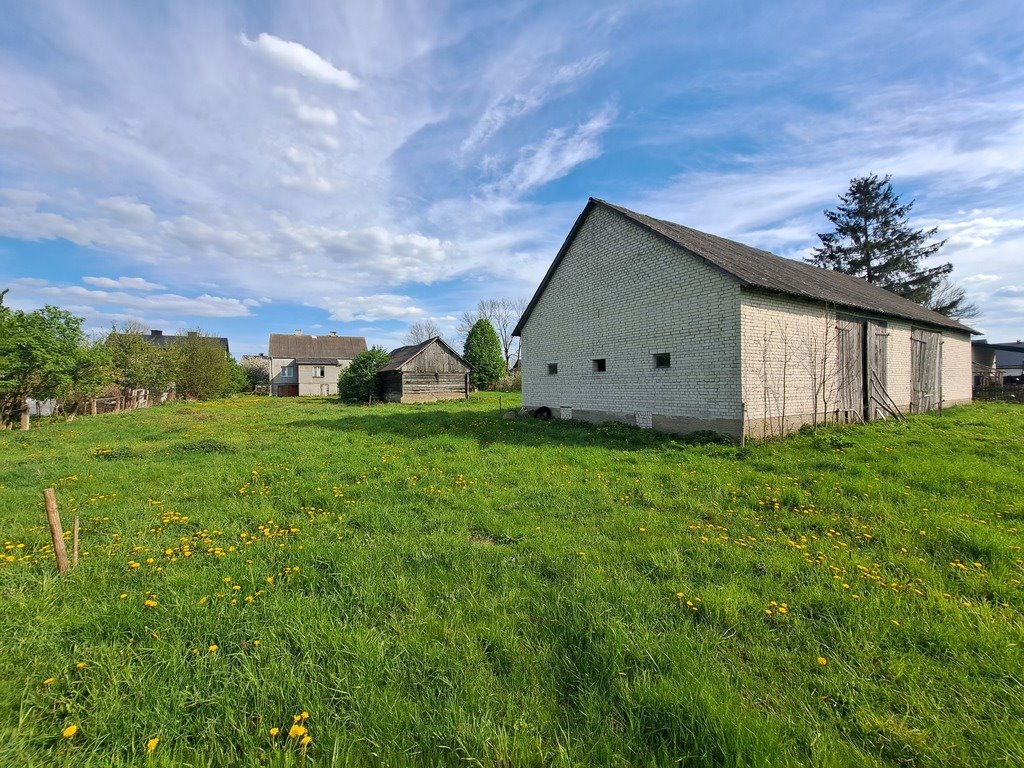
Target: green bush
[{"x": 359, "y": 382}]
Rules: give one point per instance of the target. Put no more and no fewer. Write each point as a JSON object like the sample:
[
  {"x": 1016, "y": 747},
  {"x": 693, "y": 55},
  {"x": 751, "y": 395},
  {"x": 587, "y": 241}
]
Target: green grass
[{"x": 450, "y": 588}]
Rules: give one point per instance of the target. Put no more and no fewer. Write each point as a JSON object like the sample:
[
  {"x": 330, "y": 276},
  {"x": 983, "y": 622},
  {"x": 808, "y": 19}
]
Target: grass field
[{"x": 434, "y": 585}]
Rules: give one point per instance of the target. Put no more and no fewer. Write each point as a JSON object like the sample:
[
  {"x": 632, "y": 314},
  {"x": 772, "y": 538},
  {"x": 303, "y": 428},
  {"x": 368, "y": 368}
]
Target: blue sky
[{"x": 251, "y": 168}]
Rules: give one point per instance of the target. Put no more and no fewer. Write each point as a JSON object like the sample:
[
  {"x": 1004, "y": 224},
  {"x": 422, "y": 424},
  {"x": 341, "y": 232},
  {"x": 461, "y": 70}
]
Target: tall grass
[{"x": 434, "y": 585}]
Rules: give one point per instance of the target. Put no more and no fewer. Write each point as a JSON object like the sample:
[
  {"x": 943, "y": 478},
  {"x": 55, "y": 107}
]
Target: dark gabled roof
[
  {"x": 402, "y": 355},
  {"x": 162, "y": 340},
  {"x": 332, "y": 348},
  {"x": 755, "y": 268}
]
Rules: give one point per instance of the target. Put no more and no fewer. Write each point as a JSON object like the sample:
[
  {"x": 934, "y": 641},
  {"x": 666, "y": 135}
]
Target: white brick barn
[{"x": 647, "y": 322}]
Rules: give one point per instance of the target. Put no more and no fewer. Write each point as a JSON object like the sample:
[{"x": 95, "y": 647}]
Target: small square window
[
  {"x": 663, "y": 360},
  {"x": 287, "y": 372},
  {"x": 318, "y": 371},
  {"x": 552, "y": 369},
  {"x": 600, "y": 365}
]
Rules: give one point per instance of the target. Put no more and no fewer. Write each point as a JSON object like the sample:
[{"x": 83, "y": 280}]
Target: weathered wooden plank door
[
  {"x": 850, "y": 375},
  {"x": 878, "y": 369},
  {"x": 925, "y": 370}
]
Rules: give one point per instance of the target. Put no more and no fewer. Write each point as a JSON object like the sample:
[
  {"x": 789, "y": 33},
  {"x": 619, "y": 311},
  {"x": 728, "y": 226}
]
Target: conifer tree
[
  {"x": 483, "y": 352},
  {"x": 873, "y": 240}
]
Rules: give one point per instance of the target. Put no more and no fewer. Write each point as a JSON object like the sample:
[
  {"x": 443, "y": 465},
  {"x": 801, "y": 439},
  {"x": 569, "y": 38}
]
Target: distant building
[
  {"x": 425, "y": 373},
  {"x": 309, "y": 365},
  {"x": 162, "y": 340},
  {"x": 993, "y": 363}
]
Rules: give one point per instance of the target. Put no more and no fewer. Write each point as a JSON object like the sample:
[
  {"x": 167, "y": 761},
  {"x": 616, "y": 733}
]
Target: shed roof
[
  {"x": 756, "y": 268},
  {"x": 291, "y": 345},
  {"x": 401, "y": 356}
]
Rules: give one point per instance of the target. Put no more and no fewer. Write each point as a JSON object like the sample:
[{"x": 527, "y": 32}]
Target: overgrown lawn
[{"x": 435, "y": 585}]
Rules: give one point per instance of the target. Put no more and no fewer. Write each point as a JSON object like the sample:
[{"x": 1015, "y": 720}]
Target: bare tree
[
  {"x": 951, "y": 299},
  {"x": 503, "y": 314},
  {"x": 421, "y": 331}
]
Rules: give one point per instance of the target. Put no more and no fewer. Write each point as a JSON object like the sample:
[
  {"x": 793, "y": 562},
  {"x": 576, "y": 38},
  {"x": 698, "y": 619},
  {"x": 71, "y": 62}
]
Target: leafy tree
[
  {"x": 137, "y": 363},
  {"x": 202, "y": 370},
  {"x": 240, "y": 380},
  {"x": 873, "y": 240},
  {"x": 41, "y": 354},
  {"x": 91, "y": 375},
  {"x": 421, "y": 331},
  {"x": 483, "y": 352},
  {"x": 359, "y": 382}
]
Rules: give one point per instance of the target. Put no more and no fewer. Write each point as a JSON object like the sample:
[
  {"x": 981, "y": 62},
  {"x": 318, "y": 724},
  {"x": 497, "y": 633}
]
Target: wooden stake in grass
[
  {"x": 56, "y": 532},
  {"x": 74, "y": 543}
]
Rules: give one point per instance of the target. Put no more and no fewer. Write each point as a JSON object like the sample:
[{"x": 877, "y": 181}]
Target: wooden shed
[{"x": 424, "y": 373}]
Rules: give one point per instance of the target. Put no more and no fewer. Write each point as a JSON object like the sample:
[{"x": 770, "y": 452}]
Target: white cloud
[
  {"x": 24, "y": 198},
  {"x": 298, "y": 58},
  {"x": 380, "y": 306},
  {"x": 979, "y": 278},
  {"x": 130, "y": 283},
  {"x": 308, "y": 113},
  {"x": 128, "y": 210}
]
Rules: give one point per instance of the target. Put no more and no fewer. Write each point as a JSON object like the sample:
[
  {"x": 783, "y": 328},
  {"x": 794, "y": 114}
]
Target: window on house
[
  {"x": 663, "y": 360},
  {"x": 600, "y": 365},
  {"x": 287, "y": 372},
  {"x": 318, "y": 371},
  {"x": 552, "y": 369}
]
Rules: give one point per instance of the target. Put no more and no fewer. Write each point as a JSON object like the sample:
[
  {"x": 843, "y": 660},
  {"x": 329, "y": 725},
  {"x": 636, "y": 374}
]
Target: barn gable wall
[{"x": 622, "y": 294}]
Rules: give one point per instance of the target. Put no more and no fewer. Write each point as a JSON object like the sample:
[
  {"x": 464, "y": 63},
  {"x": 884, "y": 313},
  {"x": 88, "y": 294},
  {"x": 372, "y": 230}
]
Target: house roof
[
  {"x": 331, "y": 348},
  {"x": 162, "y": 340},
  {"x": 402, "y": 355},
  {"x": 756, "y": 268}
]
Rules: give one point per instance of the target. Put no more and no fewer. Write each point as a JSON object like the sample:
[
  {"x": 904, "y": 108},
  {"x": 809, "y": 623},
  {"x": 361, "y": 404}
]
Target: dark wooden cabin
[{"x": 424, "y": 373}]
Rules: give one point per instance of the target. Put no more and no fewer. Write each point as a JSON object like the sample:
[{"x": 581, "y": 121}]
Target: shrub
[{"x": 359, "y": 382}]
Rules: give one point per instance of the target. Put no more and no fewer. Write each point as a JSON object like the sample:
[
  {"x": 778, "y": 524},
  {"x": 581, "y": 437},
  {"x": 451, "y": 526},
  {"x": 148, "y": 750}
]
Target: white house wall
[{"x": 623, "y": 294}]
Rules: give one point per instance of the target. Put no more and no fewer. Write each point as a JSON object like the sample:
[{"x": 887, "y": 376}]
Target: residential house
[
  {"x": 310, "y": 365},
  {"x": 647, "y": 322},
  {"x": 162, "y": 340},
  {"x": 425, "y": 373}
]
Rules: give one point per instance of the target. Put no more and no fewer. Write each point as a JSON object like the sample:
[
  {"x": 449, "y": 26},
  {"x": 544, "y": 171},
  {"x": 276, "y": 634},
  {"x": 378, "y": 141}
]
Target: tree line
[{"x": 45, "y": 354}]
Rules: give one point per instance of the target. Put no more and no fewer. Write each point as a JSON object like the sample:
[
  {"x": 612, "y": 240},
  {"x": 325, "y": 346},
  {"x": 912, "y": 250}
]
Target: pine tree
[
  {"x": 483, "y": 352},
  {"x": 873, "y": 240}
]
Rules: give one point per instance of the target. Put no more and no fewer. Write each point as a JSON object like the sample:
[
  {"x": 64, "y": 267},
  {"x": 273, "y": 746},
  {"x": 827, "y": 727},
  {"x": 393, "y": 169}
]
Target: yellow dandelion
[
  {"x": 274, "y": 731},
  {"x": 150, "y": 603},
  {"x": 81, "y": 665},
  {"x": 151, "y": 744},
  {"x": 123, "y": 596},
  {"x": 48, "y": 681},
  {"x": 822, "y": 661},
  {"x": 304, "y": 715},
  {"x": 213, "y": 648},
  {"x": 70, "y": 731},
  {"x": 306, "y": 740},
  {"x": 296, "y": 732}
]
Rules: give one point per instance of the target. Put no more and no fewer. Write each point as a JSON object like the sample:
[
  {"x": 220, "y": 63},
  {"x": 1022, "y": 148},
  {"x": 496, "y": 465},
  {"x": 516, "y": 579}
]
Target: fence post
[
  {"x": 56, "y": 532},
  {"x": 25, "y": 420}
]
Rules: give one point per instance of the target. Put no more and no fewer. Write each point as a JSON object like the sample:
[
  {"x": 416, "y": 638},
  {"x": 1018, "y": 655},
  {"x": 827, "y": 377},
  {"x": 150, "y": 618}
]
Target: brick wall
[
  {"x": 789, "y": 362},
  {"x": 623, "y": 295},
  {"x": 956, "y": 368}
]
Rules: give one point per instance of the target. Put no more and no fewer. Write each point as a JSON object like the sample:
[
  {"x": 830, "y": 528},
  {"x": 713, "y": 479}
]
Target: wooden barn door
[
  {"x": 925, "y": 370},
  {"x": 879, "y": 402},
  {"x": 850, "y": 347}
]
